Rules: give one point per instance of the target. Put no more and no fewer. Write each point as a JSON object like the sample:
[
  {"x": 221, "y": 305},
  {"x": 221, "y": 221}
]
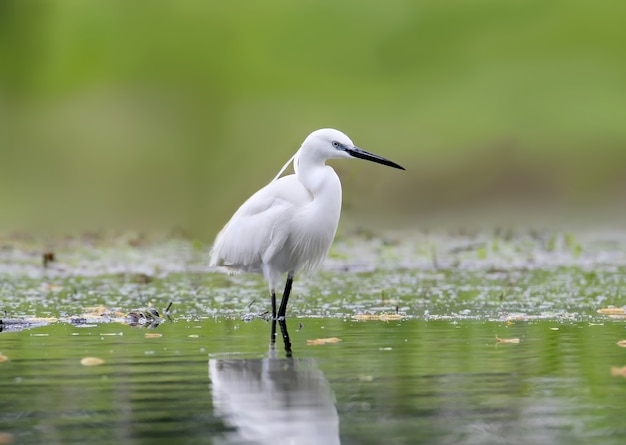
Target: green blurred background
[{"x": 160, "y": 114}]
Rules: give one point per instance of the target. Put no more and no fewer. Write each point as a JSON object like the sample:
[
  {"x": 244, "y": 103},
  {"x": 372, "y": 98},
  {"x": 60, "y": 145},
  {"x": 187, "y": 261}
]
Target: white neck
[{"x": 310, "y": 170}]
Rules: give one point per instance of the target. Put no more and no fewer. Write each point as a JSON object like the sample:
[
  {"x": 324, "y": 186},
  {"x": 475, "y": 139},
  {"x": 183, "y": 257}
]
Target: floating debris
[
  {"x": 3, "y": 358},
  {"x": 6, "y": 438},
  {"x": 91, "y": 361},
  {"x": 18, "y": 324},
  {"x": 378, "y": 317},
  {"x": 167, "y": 309},
  {"x": 148, "y": 318},
  {"x": 621, "y": 343},
  {"x": 618, "y": 372},
  {"x": 47, "y": 258},
  {"x": 42, "y": 320},
  {"x": 322, "y": 341},
  {"x": 507, "y": 340},
  {"x": 101, "y": 311},
  {"x": 152, "y": 312},
  {"x": 518, "y": 317},
  {"x": 152, "y": 335},
  {"x": 613, "y": 311}
]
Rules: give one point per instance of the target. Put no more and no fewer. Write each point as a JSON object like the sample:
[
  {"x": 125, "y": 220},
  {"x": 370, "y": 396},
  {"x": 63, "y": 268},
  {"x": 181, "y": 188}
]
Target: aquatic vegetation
[{"x": 504, "y": 275}]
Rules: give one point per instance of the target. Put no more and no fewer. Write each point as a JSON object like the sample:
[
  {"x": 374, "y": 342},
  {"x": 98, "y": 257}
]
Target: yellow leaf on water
[
  {"x": 6, "y": 438},
  {"x": 507, "y": 340},
  {"x": 618, "y": 372},
  {"x": 517, "y": 317},
  {"x": 621, "y": 343},
  {"x": 612, "y": 311},
  {"x": 97, "y": 311},
  {"x": 3, "y": 358},
  {"x": 378, "y": 317},
  {"x": 91, "y": 361},
  {"x": 42, "y": 320},
  {"x": 322, "y": 341}
]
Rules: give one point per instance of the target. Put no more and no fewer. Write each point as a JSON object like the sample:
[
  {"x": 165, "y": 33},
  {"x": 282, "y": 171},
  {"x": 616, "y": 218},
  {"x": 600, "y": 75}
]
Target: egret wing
[{"x": 256, "y": 225}]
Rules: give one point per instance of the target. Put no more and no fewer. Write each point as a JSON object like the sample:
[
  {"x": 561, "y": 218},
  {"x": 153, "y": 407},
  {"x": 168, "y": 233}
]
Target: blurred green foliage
[{"x": 161, "y": 113}]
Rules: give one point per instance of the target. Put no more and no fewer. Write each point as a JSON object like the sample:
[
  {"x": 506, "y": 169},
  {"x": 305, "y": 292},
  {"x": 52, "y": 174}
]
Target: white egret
[{"x": 289, "y": 225}]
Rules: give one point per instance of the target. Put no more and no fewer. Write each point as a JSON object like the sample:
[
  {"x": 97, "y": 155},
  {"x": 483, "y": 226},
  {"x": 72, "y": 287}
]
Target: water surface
[{"x": 489, "y": 341}]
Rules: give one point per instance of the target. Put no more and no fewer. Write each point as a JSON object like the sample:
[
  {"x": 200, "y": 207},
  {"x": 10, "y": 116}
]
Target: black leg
[
  {"x": 283, "y": 302},
  {"x": 273, "y": 305},
  {"x": 273, "y": 334},
  {"x": 286, "y": 341}
]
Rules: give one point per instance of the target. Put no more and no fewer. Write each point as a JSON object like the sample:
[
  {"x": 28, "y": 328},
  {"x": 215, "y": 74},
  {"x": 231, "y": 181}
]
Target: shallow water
[
  {"x": 502, "y": 345},
  {"x": 399, "y": 382}
]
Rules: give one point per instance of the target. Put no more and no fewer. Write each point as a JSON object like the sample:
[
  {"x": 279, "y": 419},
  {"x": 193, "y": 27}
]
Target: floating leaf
[
  {"x": 91, "y": 361},
  {"x": 97, "y": 311},
  {"x": 42, "y": 320},
  {"x": 621, "y": 343},
  {"x": 378, "y": 317},
  {"x": 617, "y": 372},
  {"x": 507, "y": 340},
  {"x": 6, "y": 438},
  {"x": 322, "y": 341},
  {"x": 3, "y": 358},
  {"x": 152, "y": 335},
  {"x": 612, "y": 311}
]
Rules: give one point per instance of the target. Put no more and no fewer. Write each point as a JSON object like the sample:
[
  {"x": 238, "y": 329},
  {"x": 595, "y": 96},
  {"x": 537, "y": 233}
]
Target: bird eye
[{"x": 336, "y": 144}]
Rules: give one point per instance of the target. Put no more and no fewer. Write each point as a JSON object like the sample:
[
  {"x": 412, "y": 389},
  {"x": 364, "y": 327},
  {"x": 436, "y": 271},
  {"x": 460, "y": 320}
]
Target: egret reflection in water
[{"x": 273, "y": 401}]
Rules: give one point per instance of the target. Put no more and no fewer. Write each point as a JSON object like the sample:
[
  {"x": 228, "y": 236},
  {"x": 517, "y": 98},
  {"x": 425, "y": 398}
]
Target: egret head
[{"x": 329, "y": 143}]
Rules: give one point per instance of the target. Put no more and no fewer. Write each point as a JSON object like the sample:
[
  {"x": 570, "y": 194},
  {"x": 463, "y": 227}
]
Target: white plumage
[
  {"x": 289, "y": 225},
  {"x": 273, "y": 401}
]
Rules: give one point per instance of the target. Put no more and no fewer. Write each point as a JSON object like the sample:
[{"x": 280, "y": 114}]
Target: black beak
[{"x": 363, "y": 154}]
